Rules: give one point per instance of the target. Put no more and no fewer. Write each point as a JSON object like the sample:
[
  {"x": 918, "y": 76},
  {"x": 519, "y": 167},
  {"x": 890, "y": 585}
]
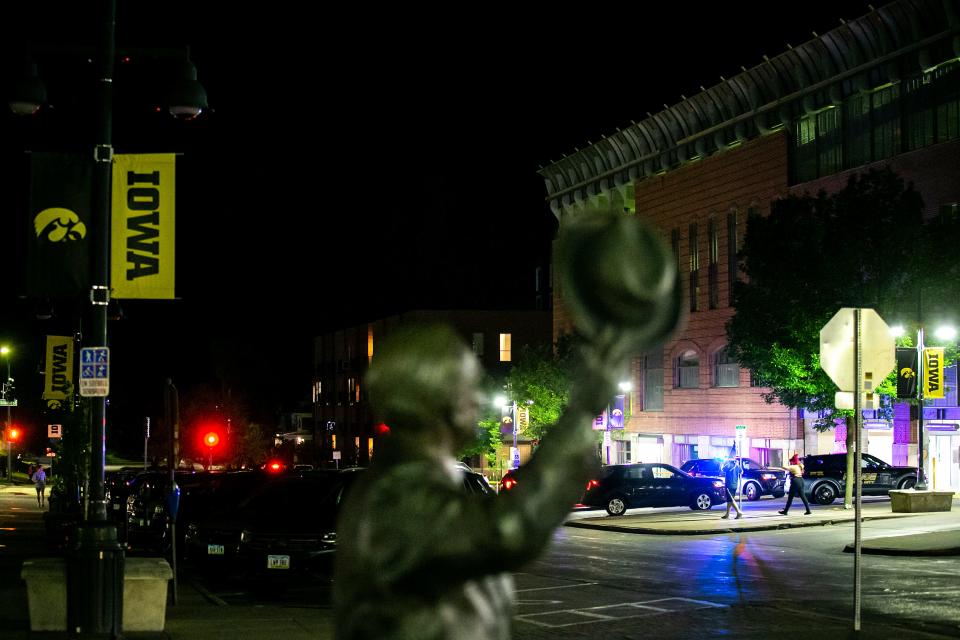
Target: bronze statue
[{"x": 420, "y": 559}]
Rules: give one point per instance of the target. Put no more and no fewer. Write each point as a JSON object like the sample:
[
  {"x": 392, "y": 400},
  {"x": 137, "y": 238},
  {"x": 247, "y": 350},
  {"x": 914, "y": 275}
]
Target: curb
[
  {"x": 578, "y": 524},
  {"x": 889, "y": 551}
]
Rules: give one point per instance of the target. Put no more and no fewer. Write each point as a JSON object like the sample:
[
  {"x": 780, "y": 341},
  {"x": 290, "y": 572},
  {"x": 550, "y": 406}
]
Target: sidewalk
[{"x": 691, "y": 523}]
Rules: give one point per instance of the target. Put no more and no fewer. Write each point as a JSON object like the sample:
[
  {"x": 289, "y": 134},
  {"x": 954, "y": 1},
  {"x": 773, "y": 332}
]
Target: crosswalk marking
[{"x": 618, "y": 611}]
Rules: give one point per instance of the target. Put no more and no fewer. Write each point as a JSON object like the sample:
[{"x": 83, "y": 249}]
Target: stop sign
[{"x": 877, "y": 349}]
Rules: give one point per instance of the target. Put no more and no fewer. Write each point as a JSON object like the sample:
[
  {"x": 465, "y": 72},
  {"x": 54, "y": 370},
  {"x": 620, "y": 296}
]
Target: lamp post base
[{"x": 95, "y": 582}]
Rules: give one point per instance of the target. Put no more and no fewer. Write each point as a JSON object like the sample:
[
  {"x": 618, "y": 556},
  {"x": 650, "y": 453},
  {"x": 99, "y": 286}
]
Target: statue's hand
[{"x": 619, "y": 282}]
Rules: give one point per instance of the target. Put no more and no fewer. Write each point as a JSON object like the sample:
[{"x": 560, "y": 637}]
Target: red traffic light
[
  {"x": 212, "y": 439},
  {"x": 12, "y": 434},
  {"x": 274, "y": 466}
]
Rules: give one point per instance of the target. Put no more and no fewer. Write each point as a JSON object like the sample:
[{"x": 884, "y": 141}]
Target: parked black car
[
  {"x": 756, "y": 481},
  {"x": 624, "y": 486},
  {"x": 287, "y": 525},
  {"x": 825, "y": 476}
]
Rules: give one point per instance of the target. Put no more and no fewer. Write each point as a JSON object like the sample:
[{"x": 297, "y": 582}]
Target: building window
[
  {"x": 369, "y": 343},
  {"x": 732, "y": 265},
  {"x": 868, "y": 127},
  {"x": 504, "y": 347},
  {"x": 652, "y": 375},
  {"x": 675, "y": 245},
  {"x": 726, "y": 370},
  {"x": 478, "y": 345},
  {"x": 755, "y": 380},
  {"x": 713, "y": 249},
  {"x": 688, "y": 370},
  {"x": 694, "y": 260}
]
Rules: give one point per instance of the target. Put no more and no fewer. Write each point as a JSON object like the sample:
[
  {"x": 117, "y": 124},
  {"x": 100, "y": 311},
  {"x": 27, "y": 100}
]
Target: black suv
[
  {"x": 824, "y": 476},
  {"x": 757, "y": 480},
  {"x": 620, "y": 487}
]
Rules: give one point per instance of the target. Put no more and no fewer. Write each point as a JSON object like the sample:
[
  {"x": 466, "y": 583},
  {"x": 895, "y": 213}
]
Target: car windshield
[{"x": 295, "y": 495}]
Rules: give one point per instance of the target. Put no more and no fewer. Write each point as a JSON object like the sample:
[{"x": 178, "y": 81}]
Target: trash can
[{"x": 95, "y": 564}]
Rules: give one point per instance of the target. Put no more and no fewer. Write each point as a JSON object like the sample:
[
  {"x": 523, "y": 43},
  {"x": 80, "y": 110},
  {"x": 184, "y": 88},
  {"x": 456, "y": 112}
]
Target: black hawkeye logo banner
[
  {"x": 58, "y": 249},
  {"x": 906, "y": 372}
]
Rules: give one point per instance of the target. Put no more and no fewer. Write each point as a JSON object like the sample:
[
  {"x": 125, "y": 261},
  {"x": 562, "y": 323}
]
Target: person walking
[
  {"x": 39, "y": 479},
  {"x": 796, "y": 484},
  {"x": 731, "y": 480}
]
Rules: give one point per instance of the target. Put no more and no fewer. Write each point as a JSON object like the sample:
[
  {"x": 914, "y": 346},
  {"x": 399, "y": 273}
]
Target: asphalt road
[
  {"x": 602, "y": 584},
  {"x": 607, "y": 585}
]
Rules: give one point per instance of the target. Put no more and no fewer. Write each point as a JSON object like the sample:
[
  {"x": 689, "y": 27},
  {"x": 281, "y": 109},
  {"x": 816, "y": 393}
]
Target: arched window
[
  {"x": 726, "y": 370},
  {"x": 688, "y": 370}
]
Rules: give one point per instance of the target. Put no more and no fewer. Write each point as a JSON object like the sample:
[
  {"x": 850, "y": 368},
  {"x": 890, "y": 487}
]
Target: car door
[
  {"x": 638, "y": 486},
  {"x": 669, "y": 488},
  {"x": 877, "y": 475}
]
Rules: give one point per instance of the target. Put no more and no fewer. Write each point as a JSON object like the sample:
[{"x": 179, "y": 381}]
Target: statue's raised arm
[{"x": 417, "y": 557}]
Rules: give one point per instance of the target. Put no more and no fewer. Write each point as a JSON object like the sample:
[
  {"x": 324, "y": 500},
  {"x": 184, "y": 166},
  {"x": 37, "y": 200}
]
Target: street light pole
[
  {"x": 5, "y": 352},
  {"x": 921, "y": 483}
]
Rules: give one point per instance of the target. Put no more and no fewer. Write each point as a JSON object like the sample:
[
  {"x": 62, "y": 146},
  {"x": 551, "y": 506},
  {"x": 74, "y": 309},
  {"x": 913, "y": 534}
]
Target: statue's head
[{"x": 425, "y": 378}]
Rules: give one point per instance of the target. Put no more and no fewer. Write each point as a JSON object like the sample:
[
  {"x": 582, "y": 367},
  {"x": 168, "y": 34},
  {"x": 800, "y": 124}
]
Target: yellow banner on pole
[
  {"x": 933, "y": 372},
  {"x": 142, "y": 228},
  {"x": 58, "y": 373}
]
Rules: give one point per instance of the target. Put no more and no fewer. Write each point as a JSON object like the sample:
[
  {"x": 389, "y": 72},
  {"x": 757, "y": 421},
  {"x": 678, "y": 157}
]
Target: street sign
[
  {"x": 877, "y": 349},
  {"x": 94, "y": 372},
  {"x": 54, "y": 431},
  {"x": 741, "y": 436},
  {"x": 514, "y": 457}
]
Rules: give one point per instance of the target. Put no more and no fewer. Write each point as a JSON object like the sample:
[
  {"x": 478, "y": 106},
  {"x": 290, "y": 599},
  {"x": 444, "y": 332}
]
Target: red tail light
[
  {"x": 509, "y": 483},
  {"x": 274, "y": 467},
  {"x": 591, "y": 484}
]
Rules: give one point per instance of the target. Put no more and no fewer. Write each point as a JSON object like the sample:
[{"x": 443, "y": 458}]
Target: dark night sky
[{"x": 357, "y": 162}]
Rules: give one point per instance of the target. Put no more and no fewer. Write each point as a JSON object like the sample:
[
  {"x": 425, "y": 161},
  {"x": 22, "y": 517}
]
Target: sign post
[
  {"x": 741, "y": 434},
  {"x": 857, "y": 351}
]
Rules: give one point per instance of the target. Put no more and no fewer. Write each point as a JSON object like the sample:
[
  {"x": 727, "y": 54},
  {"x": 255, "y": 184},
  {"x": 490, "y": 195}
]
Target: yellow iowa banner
[
  {"x": 58, "y": 373},
  {"x": 141, "y": 261},
  {"x": 933, "y": 372}
]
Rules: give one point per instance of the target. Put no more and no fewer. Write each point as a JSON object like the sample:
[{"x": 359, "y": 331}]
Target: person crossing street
[
  {"x": 731, "y": 478},
  {"x": 796, "y": 485}
]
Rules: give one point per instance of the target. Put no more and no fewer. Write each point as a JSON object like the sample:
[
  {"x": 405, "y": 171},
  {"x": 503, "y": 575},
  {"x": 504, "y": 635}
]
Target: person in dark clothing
[
  {"x": 796, "y": 484},
  {"x": 731, "y": 478}
]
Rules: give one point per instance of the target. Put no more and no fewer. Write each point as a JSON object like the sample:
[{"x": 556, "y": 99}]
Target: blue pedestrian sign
[{"x": 94, "y": 372}]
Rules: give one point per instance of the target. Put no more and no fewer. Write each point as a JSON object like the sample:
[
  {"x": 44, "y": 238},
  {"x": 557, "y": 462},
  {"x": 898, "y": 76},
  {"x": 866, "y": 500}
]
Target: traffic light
[
  {"x": 12, "y": 434},
  {"x": 211, "y": 439}
]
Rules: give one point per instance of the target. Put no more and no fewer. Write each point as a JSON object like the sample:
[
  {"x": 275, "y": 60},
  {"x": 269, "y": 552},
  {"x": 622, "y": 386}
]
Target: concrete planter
[
  {"x": 46, "y": 580},
  {"x": 912, "y": 501},
  {"x": 144, "y": 593}
]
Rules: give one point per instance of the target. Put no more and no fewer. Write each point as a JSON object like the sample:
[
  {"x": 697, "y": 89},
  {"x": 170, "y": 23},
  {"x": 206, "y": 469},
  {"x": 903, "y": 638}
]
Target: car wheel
[
  {"x": 617, "y": 506},
  {"x": 701, "y": 502},
  {"x": 751, "y": 491},
  {"x": 824, "y": 493},
  {"x": 908, "y": 483}
]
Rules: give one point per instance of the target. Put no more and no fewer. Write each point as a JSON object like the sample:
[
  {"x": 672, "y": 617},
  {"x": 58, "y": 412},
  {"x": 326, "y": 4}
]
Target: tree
[
  {"x": 865, "y": 246},
  {"x": 205, "y": 409},
  {"x": 540, "y": 382}
]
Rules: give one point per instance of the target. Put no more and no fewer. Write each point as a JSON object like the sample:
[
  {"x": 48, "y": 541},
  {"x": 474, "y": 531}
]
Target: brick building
[{"x": 880, "y": 90}]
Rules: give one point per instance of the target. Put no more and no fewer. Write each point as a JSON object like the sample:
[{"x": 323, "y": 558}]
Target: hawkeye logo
[
  {"x": 617, "y": 413},
  {"x": 507, "y": 420},
  {"x": 907, "y": 373},
  {"x": 59, "y": 225}
]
